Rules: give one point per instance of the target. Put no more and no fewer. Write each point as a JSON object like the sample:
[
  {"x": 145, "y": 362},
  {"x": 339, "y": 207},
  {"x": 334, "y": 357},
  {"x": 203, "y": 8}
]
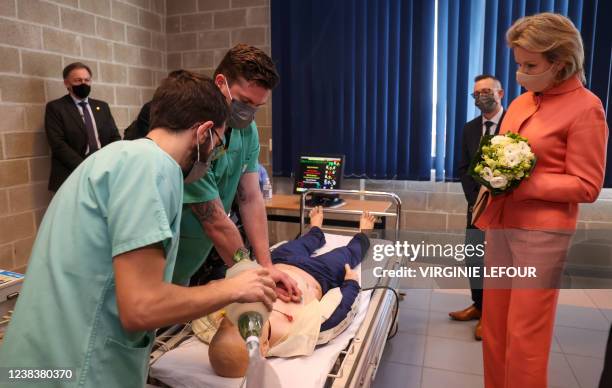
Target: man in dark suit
[
  {"x": 488, "y": 94},
  {"x": 76, "y": 126}
]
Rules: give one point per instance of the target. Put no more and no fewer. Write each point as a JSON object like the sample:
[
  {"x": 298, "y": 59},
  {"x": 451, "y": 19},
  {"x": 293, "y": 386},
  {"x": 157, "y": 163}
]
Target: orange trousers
[{"x": 518, "y": 319}]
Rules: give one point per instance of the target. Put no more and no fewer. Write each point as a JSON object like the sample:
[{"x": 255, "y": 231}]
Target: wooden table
[{"x": 291, "y": 203}]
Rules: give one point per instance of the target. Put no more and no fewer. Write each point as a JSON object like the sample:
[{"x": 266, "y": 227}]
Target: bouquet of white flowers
[{"x": 502, "y": 162}]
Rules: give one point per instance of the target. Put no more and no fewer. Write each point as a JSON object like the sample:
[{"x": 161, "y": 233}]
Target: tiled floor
[{"x": 431, "y": 351}]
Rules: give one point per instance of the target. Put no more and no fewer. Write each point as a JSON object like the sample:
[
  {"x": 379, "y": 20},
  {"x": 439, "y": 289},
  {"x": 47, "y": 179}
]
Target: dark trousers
[
  {"x": 328, "y": 268},
  {"x": 606, "y": 375},
  {"x": 474, "y": 236}
]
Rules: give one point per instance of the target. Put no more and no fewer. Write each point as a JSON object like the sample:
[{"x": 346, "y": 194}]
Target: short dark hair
[
  {"x": 75, "y": 66},
  {"x": 187, "y": 99},
  {"x": 176, "y": 73},
  {"x": 487, "y": 76},
  {"x": 251, "y": 63}
]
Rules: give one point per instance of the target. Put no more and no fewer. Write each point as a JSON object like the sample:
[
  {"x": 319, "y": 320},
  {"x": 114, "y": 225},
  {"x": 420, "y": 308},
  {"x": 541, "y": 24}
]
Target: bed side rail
[{"x": 359, "y": 362}]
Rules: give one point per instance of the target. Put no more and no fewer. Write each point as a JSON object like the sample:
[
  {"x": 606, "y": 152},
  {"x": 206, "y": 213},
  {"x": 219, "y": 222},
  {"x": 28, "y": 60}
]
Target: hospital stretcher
[{"x": 350, "y": 360}]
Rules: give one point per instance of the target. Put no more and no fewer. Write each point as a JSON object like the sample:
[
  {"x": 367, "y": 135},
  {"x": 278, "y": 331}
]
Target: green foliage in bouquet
[{"x": 502, "y": 162}]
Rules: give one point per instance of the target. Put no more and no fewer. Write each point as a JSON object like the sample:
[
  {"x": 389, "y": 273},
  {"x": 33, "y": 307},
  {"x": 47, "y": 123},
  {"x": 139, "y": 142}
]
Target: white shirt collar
[{"x": 77, "y": 101}]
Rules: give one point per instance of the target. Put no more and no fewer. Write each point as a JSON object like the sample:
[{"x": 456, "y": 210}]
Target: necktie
[
  {"x": 91, "y": 134},
  {"x": 488, "y": 125}
]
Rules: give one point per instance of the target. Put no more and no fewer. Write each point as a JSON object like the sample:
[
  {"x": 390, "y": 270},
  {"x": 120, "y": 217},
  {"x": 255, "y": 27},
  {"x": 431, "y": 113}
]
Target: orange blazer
[{"x": 566, "y": 128}]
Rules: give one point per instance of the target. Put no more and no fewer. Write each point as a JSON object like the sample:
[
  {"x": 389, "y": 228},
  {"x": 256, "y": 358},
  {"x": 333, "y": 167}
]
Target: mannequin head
[{"x": 228, "y": 353}]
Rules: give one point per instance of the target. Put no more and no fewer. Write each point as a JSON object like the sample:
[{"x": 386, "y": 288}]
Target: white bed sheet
[{"x": 188, "y": 365}]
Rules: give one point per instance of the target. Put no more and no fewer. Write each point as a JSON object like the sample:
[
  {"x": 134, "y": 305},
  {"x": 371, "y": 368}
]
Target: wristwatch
[{"x": 241, "y": 254}]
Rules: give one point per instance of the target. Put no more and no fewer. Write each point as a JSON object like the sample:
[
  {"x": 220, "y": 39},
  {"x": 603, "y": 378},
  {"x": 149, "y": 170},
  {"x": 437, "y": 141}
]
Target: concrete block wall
[
  {"x": 199, "y": 33},
  {"x": 123, "y": 41}
]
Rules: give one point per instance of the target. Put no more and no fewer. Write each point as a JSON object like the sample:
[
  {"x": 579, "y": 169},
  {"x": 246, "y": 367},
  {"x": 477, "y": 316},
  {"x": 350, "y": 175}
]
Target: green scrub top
[
  {"x": 222, "y": 180},
  {"x": 125, "y": 196}
]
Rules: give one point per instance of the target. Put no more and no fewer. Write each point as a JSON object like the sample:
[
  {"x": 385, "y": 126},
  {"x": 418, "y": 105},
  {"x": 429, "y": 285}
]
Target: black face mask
[
  {"x": 81, "y": 91},
  {"x": 486, "y": 103},
  {"x": 241, "y": 114}
]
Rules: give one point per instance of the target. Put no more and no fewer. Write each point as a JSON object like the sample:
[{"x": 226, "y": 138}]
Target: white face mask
[{"x": 537, "y": 82}]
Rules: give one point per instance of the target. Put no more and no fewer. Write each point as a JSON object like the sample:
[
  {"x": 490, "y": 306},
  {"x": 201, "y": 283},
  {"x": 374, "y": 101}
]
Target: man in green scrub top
[
  {"x": 98, "y": 280},
  {"x": 246, "y": 77}
]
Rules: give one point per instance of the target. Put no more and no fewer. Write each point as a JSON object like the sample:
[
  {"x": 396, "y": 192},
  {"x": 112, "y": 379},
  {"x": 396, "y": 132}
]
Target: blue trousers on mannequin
[{"x": 327, "y": 269}]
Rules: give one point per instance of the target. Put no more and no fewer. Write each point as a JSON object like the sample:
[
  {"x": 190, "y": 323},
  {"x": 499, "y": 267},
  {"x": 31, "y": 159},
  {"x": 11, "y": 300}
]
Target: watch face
[{"x": 241, "y": 254}]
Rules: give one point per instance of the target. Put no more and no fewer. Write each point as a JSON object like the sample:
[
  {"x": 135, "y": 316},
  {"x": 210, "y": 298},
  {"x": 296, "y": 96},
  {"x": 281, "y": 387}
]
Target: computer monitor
[{"x": 320, "y": 172}]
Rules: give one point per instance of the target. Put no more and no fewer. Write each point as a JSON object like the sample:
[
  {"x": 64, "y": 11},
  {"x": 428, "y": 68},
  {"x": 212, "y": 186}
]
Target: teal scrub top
[
  {"x": 242, "y": 156},
  {"x": 125, "y": 196}
]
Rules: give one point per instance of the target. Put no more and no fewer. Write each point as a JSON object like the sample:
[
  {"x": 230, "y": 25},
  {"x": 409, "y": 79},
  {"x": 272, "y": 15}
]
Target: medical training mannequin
[{"x": 294, "y": 329}]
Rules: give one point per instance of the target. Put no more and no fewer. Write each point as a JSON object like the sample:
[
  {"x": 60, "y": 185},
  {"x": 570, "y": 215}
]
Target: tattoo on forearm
[{"x": 207, "y": 212}]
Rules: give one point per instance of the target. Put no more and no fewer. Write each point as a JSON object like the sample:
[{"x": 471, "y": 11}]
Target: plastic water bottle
[
  {"x": 249, "y": 317},
  {"x": 267, "y": 190}
]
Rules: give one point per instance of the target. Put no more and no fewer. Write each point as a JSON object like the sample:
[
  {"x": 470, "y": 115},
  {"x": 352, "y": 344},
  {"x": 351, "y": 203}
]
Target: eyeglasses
[{"x": 486, "y": 92}]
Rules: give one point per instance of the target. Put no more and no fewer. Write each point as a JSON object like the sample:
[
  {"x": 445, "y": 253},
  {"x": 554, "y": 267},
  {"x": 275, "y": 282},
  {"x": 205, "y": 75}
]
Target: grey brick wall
[
  {"x": 200, "y": 32},
  {"x": 124, "y": 44},
  {"x": 130, "y": 46}
]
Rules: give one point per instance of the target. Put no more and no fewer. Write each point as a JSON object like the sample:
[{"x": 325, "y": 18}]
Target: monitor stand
[{"x": 325, "y": 200}]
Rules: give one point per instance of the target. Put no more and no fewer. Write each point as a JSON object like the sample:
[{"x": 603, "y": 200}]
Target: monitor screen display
[{"x": 318, "y": 172}]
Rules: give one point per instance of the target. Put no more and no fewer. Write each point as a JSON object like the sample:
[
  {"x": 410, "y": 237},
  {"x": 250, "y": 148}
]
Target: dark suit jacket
[
  {"x": 472, "y": 132},
  {"x": 139, "y": 127},
  {"x": 68, "y": 137}
]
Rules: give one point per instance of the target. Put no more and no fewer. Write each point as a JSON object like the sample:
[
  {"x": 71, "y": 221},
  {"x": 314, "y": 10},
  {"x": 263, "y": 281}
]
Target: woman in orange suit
[{"x": 532, "y": 225}]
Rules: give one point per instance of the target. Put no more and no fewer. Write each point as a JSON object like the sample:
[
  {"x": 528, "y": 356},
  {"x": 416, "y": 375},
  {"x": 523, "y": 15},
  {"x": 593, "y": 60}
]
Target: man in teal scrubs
[
  {"x": 98, "y": 280},
  {"x": 246, "y": 76}
]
